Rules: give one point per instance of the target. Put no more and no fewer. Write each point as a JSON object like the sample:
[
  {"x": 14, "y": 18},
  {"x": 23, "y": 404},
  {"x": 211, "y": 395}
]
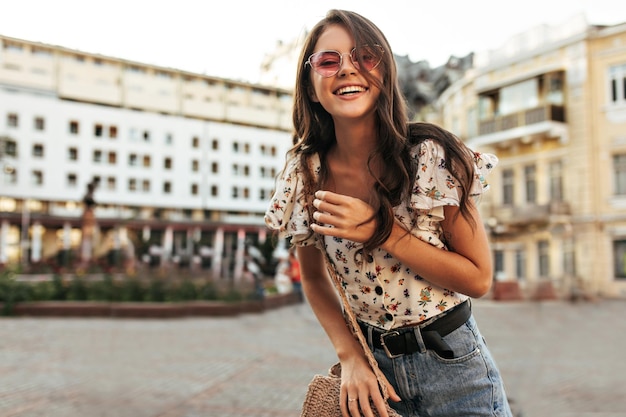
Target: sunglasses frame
[{"x": 352, "y": 51}]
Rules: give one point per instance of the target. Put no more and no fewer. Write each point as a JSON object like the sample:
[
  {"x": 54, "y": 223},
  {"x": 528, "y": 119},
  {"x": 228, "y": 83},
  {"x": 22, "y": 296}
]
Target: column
[
  {"x": 168, "y": 241},
  {"x": 218, "y": 252},
  {"x": 240, "y": 254},
  {"x": 36, "y": 249},
  {"x": 4, "y": 242}
]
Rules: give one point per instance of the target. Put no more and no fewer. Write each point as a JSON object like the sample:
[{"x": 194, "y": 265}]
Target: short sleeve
[
  {"x": 435, "y": 186},
  {"x": 287, "y": 213}
]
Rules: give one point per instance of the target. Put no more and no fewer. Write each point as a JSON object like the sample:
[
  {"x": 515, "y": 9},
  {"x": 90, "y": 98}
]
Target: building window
[
  {"x": 40, "y": 123},
  {"x": 498, "y": 264},
  {"x": 246, "y": 170},
  {"x": 146, "y": 136},
  {"x": 246, "y": 148},
  {"x": 113, "y": 132},
  {"x": 12, "y": 120},
  {"x": 617, "y": 77},
  {"x": 215, "y": 144},
  {"x": 74, "y": 127},
  {"x": 195, "y": 142},
  {"x": 112, "y": 158},
  {"x": 169, "y": 139},
  {"x": 133, "y": 134},
  {"x": 508, "y": 182},
  {"x": 147, "y": 161},
  {"x": 195, "y": 165},
  {"x": 520, "y": 264},
  {"x": 37, "y": 178},
  {"x": 10, "y": 148},
  {"x": 145, "y": 186},
  {"x": 132, "y": 184},
  {"x": 619, "y": 254},
  {"x": 97, "y": 130},
  {"x": 215, "y": 168},
  {"x": 167, "y": 187},
  {"x": 72, "y": 154},
  {"x": 132, "y": 160},
  {"x": 38, "y": 150},
  {"x": 72, "y": 180},
  {"x": 9, "y": 176},
  {"x": 530, "y": 174},
  {"x": 111, "y": 183},
  {"x": 246, "y": 193},
  {"x": 235, "y": 192},
  {"x": 194, "y": 189},
  {"x": 556, "y": 181},
  {"x": 167, "y": 163},
  {"x": 97, "y": 156},
  {"x": 543, "y": 253},
  {"x": 235, "y": 170},
  {"x": 619, "y": 172},
  {"x": 235, "y": 147}
]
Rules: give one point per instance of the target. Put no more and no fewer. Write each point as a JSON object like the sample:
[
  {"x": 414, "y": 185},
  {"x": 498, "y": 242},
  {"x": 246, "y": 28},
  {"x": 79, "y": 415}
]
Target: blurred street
[{"x": 558, "y": 359}]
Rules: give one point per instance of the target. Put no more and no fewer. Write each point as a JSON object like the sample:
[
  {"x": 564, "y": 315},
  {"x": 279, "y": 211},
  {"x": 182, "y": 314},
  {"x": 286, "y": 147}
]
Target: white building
[{"x": 184, "y": 161}]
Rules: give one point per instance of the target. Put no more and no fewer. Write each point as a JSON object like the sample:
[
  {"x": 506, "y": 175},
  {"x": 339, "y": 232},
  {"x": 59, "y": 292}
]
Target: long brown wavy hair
[{"x": 315, "y": 131}]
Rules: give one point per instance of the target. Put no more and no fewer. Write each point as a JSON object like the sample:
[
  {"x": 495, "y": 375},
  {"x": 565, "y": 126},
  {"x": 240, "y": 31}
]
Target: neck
[{"x": 355, "y": 142}]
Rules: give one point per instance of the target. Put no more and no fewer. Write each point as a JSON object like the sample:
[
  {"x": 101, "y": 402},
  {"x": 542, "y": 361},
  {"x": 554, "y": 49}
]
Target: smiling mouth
[{"x": 352, "y": 89}]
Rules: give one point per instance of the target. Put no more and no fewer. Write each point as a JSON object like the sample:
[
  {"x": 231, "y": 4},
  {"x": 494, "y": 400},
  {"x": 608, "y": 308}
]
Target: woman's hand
[
  {"x": 358, "y": 386},
  {"x": 343, "y": 216}
]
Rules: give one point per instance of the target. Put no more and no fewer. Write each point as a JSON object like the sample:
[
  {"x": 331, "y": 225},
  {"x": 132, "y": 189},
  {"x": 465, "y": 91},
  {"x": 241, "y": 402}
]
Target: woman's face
[{"x": 346, "y": 95}]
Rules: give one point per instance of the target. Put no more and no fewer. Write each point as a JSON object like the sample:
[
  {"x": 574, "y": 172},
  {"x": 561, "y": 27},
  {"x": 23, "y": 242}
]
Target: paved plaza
[{"x": 558, "y": 359}]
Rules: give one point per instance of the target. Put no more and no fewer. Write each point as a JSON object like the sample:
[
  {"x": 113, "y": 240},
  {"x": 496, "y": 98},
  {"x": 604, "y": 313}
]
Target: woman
[{"x": 392, "y": 204}]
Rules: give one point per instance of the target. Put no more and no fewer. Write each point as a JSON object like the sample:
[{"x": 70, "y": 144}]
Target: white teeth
[{"x": 350, "y": 89}]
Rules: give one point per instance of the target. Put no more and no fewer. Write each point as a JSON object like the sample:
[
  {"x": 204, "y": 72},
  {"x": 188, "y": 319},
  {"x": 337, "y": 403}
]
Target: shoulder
[{"x": 427, "y": 151}]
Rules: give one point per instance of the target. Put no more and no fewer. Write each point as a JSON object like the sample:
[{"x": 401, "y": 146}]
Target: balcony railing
[
  {"x": 548, "y": 112},
  {"x": 531, "y": 213}
]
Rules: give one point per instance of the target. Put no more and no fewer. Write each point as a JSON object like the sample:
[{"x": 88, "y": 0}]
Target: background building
[
  {"x": 185, "y": 163},
  {"x": 551, "y": 103}
]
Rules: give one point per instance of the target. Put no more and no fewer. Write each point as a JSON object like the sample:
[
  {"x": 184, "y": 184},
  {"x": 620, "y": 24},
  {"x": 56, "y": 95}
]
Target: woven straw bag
[
  {"x": 323, "y": 393},
  {"x": 322, "y": 397}
]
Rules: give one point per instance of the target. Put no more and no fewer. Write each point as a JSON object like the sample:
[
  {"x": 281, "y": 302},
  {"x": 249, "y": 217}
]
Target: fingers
[
  {"x": 355, "y": 405},
  {"x": 329, "y": 196},
  {"x": 391, "y": 392}
]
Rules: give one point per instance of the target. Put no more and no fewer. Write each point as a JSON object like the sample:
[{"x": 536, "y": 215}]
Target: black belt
[{"x": 403, "y": 341}]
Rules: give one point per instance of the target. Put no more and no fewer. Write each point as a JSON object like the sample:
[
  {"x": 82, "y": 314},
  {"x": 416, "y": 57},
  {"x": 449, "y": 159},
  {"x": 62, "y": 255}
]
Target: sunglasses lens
[
  {"x": 326, "y": 63},
  {"x": 370, "y": 56}
]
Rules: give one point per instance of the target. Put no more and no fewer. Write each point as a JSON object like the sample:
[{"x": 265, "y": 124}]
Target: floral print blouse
[{"x": 382, "y": 291}]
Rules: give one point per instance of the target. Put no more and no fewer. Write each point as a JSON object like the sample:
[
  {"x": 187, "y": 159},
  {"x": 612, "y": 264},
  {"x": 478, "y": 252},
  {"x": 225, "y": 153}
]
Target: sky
[{"x": 229, "y": 38}]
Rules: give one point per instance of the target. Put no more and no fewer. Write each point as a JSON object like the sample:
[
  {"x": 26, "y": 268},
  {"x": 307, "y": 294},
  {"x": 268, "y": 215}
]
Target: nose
[{"x": 347, "y": 66}]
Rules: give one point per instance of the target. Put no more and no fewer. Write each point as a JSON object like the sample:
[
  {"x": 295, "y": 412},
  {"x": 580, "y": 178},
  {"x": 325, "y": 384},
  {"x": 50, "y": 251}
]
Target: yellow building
[{"x": 551, "y": 104}]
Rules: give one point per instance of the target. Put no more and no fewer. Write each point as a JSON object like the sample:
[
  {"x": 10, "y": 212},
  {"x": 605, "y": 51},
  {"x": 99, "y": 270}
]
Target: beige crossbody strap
[
  {"x": 348, "y": 313},
  {"x": 353, "y": 324}
]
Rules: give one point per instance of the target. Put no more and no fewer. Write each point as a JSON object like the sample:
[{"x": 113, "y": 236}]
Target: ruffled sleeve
[
  {"x": 287, "y": 213},
  {"x": 435, "y": 186}
]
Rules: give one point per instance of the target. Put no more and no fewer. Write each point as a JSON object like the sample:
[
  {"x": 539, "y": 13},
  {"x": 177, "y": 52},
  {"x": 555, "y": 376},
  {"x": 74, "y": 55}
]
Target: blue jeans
[{"x": 429, "y": 385}]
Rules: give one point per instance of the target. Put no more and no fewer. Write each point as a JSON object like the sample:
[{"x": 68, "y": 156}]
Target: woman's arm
[
  {"x": 358, "y": 379},
  {"x": 465, "y": 268}
]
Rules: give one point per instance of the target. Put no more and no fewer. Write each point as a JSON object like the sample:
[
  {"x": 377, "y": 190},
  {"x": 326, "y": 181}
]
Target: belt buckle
[{"x": 382, "y": 342}]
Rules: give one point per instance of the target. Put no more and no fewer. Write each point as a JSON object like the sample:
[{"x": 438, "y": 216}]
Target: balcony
[
  {"x": 532, "y": 214},
  {"x": 523, "y": 118},
  {"x": 548, "y": 120}
]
